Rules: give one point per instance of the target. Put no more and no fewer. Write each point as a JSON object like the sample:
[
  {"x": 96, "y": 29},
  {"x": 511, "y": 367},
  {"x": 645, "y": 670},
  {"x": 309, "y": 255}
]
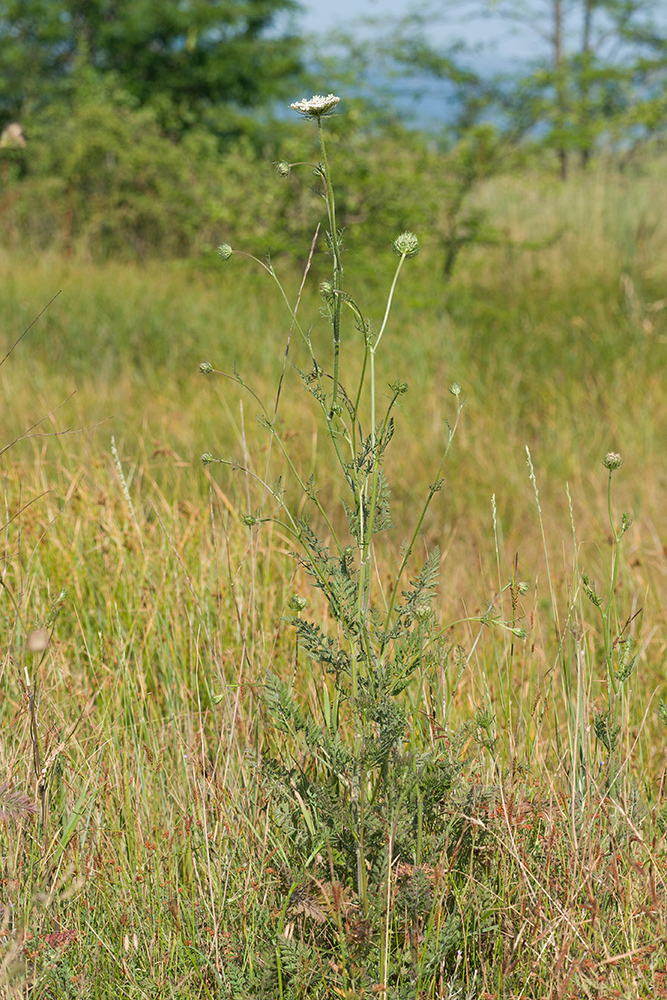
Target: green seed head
[
  {"x": 206, "y": 368},
  {"x": 282, "y": 168},
  {"x": 225, "y": 251}
]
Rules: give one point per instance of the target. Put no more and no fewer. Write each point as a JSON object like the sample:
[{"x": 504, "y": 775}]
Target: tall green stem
[
  {"x": 334, "y": 243},
  {"x": 338, "y": 266},
  {"x": 375, "y": 346},
  {"x": 366, "y": 530}
]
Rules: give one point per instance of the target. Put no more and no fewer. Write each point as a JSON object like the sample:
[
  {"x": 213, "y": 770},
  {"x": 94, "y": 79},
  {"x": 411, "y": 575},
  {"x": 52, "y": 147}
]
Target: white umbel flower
[{"x": 316, "y": 106}]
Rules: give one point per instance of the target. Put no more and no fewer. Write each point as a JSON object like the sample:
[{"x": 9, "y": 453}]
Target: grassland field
[{"x": 154, "y": 865}]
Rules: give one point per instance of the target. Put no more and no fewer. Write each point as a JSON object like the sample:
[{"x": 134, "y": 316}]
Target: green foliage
[
  {"x": 103, "y": 179},
  {"x": 191, "y": 61},
  {"x": 598, "y": 82},
  {"x": 122, "y": 186}
]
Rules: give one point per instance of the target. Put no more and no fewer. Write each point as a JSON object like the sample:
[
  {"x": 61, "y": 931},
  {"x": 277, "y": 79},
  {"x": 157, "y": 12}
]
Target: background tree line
[{"x": 144, "y": 122}]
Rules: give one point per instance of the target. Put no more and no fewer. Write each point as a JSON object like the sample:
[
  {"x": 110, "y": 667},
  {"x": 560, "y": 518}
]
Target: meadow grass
[{"x": 169, "y": 854}]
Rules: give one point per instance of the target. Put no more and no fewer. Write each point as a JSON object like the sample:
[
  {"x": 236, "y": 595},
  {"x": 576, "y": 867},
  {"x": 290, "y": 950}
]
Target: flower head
[
  {"x": 297, "y": 603},
  {"x": 317, "y": 106},
  {"x": 423, "y": 613},
  {"x": 327, "y": 291},
  {"x": 225, "y": 251},
  {"x": 282, "y": 168},
  {"x": 612, "y": 461},
  {"x": 406, "y": 245}
]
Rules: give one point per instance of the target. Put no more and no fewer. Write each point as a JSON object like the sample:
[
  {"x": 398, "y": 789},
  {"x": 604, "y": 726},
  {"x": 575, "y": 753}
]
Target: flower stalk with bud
[{"x": 612, "y": 462}]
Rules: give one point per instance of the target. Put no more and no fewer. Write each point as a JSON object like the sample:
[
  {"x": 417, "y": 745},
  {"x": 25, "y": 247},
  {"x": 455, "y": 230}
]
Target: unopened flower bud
[
  {"x": 423, "y": 613},
  {"x": 455, "y": 389},
  {"x": 225, "y": 251},
  {"x": 207, "y": 458},
  {"x": 282, "y": 168},
  {"x": 206, "y": 368},
  {"x": 399, "y": 387},
  {"x": 612, "y": 461},
  {"x": 406, "y": 245}
]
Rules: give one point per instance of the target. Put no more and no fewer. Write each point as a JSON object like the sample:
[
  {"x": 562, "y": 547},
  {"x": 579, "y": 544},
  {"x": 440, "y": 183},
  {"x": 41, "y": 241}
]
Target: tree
[
  {"x": 599, "y": 74},
  {"x": 588, "y": 79},
  {"x": 188, "y": 58}
]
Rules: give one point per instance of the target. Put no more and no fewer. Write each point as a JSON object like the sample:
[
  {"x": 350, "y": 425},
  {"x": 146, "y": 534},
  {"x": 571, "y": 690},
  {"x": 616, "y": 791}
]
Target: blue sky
[
  {"x": 321, "y": 15},
  {"x": 508, "y": 41}
]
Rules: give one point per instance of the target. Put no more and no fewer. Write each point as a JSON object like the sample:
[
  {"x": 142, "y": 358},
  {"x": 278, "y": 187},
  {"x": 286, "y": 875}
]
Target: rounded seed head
[
  {"x": 206, "y": 368},
  {"x": 282, "y": 168},
  {"x": 225, "y": 251}
]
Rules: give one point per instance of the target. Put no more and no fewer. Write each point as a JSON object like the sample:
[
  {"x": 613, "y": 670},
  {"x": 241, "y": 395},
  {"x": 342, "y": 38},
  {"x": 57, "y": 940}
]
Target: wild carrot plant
[{"x": 362, "y": 788}]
